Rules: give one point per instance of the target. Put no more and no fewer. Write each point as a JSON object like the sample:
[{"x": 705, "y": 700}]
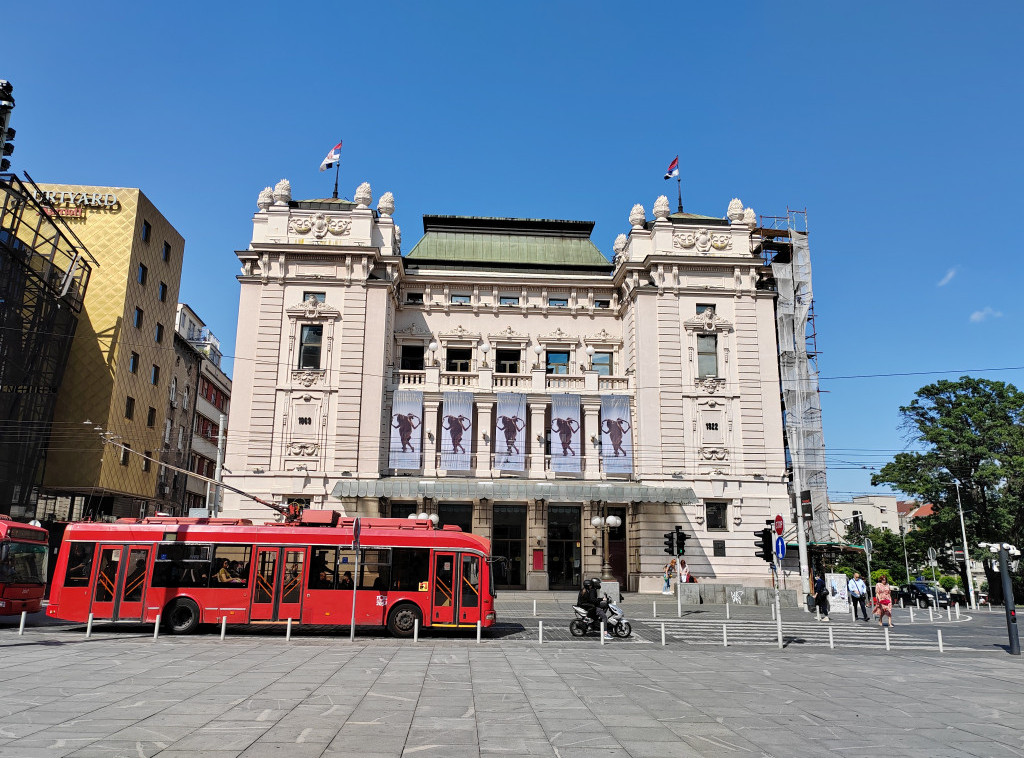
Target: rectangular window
[
  {"x": 151, "y": 418},
  {"x": 143, "y": 273},
  {"x": 558, "y": 302},
  {"x": 410, "y": 568},
  {"x": 508, "y": 300},
  {"x": 323, "y": 569},
  {"x": 129, "y": 407},
  {"x": 139, "y": 314},
  {"x": 320, "y": 297},
  {"x": 147, "y": 231},
  {"x": 146, "y": 461},
  {"x": 414, "y": 298},
  {"x": 163, "y": 292},
  {"x": 125, "y": 453},
  {"x": 159, "y": 335},
  {"x": 716, "y": 514},
  {"x": 154, "y": 375},
  {"x": 230, "y": 566},
  {"x": 507, "y": 360},
  {"x": 412, "y": 358},
  {"x": 80, "y": 564},
  {"x": 707, "y": 355},
  {"x": 167, "y": 252},
  {"x": 718, "y": 548},
  {"x": 311, "y": 339},
  {"x": 460, "y": 299},
  {"x": 167, "y": 432},
  {"x": 558, "y": 361},
  {"x": 602, "y": 364},
  {"x": 705, "y": 308},
  {"x": 181, "y": 564},
  {"x": 133, "y": 363},
  {"x": 458, "y": 359},
  {"x": 602, "y": 303}
]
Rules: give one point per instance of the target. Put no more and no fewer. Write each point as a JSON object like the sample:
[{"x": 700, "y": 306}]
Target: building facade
[
  {"x": 176, "y": 447},
  {"x": 122, "y": 356},
  {"x": 507, "y": 376}
]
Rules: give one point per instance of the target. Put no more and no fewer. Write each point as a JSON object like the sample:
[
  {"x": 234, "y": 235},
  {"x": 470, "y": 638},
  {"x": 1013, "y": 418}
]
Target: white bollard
[
  {"x": 415, "y": 630},
  {"x": 901, "y": 603},
  {"x": 156, "y": 627},
  {"x": 479, "y": 628},
  {"x": 931, "y": 616},
  {"x": 535, "y": 607},
  {"x": 853, "y": 612},
  {"x": 887, "y": 638},
  {"x": 727, "y": 611},
  {"x": 958, "y": 611},
  {"x": 679, "y": 601},
  {"x": 949, "y": 613},
  {"x": 288, "y": 633},
  {"x": 911, "y": 614},
  {"x": 21, "y": 626},
  {"x": 831, "y": 641},
  {"x": 223, "y": 626},
  {"x": 602, "y": 632},
  {"x": 654, "y": 610},
  {"x": 663, "y": 634},
  {"x": 88, "y": 628},
  {"x": 940, "y": 640},
  {"x": 817, "y": 613},
  {"x": 725, "y": 637},
  {"x": 540, "y": 632},
  {"x": 989, "y": 607}
]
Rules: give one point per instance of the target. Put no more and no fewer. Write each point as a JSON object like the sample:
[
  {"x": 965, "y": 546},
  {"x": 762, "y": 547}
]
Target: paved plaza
[{"x": 122, "y": 693}]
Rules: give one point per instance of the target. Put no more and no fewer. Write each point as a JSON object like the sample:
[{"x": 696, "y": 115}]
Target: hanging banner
[
  {"x": 510, "y": 432},
  {"x": 456, "y": 421},
  {"x": 406, "y": 431},
  {"x": 565, "y": 438},
  {"x": 616, "y": 435}
]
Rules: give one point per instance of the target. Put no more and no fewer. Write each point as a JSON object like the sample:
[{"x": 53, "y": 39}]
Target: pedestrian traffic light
[
  {"x": 681, "y": 538},
  {"x": 6, "y": 133},
  {"x": 670, "y": 543},
  {"x": 764, "y": 545}
]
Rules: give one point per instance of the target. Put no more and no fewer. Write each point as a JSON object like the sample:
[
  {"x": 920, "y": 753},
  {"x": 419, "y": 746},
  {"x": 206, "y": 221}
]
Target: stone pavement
[{"x": 121, "y": 693}]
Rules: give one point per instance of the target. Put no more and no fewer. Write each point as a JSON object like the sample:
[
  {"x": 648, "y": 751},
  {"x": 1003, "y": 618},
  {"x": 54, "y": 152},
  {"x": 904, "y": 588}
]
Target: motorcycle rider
[{"x": 592, "y": 600}]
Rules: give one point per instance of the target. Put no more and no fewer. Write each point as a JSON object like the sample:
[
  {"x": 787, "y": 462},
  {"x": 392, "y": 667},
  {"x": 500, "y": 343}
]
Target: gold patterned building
[{"x": 122, "y": 358}]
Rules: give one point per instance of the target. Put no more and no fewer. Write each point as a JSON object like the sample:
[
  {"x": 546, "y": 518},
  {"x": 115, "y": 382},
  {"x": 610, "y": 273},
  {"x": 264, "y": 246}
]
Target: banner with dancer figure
[
  {"x": 456, "y": 439},
  {"x": 565, "y": 433},
  {"x": 616, "y": 435},
  {"x": 406, "y": 430},
  {"x": 510, "y": 432}
]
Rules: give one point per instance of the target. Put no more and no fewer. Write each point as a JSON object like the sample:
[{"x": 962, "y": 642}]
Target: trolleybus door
[
  {"x": 120, "y": 586},
  {"x": 443, "y": 598},
  {"x": 469, "y": 589},
  {"x": 277, "y": 588}
]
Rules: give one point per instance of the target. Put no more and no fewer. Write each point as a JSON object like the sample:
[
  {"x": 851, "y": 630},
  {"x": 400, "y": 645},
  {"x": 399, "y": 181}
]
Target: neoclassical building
[{"x": 505, "y": 375}]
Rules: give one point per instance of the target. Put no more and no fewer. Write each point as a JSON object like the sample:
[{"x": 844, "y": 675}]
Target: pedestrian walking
[
  {"x": 821, "y": 596},
  {"x": 883, "y": 600},
  {"x": 858, "y": 594}
]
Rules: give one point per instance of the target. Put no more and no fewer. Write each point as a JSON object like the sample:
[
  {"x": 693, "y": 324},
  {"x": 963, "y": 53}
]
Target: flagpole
[
  {"x": 337, "y": 168},
  {"x": 679, "y": 186}
]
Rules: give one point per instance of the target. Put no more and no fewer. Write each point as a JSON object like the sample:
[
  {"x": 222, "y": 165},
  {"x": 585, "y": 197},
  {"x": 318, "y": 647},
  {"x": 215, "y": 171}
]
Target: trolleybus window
[
  {"x": 323, "y": 568},
  {"x": 374, "y": 569},
  {"x": 80, "y": 564},
  {"x": 231, "y": 566},
  {"x": 410, "y": 569},
  {"x": 23, "y": 562},
  {"x": 470, "y": 581},
  {"x": 181, "y": 564}
]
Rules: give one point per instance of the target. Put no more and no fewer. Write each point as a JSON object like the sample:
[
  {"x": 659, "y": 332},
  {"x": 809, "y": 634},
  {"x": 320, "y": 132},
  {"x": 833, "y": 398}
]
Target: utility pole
[
  {"x": 219, "y": 471},
  {"x": 967, "y": 558},
  {"x": 801, "y": 534}
]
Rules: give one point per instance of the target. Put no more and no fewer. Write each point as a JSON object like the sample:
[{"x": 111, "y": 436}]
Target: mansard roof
[{"x": 516, "y": 242}]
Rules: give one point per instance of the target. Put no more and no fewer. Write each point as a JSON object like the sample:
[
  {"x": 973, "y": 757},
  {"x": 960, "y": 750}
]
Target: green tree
[{"x": 970, "y": 432}]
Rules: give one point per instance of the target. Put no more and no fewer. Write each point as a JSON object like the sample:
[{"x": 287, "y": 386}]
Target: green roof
[
  {"x": 517, "y": 242},
  {"x": 323, "y": 204}
]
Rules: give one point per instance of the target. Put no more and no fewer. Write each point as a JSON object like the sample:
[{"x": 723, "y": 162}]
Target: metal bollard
[
  {"x": 88, "y": 628},
  {"x": 911, "y": 614},
  {"x": 602, "y": 632},
  {"x": 415, "y": 630},
  {"x": 817, "y": 613},
  {"x": 901, "y": 603},
  {"x": 887, "y": 639},
  {"x": 727, "y": 611},
  {"x": 853, "y": 612},
  {"x": 223, "y": 627},
  {"x": 931, "y": 616},
  {"x": 725, "y": 637},
  {"x": 479, "y": 627},
  {"x": 535, "y": 607},
  {"x": 831, "y": 641},
  {"x": 940, "y": 640},
  {"x": 663, "y": 634},
  {"x": 654, "y": 609},
  {"x": 949, "y": 613},
  {"x": 156, "y": 627},
  {"x": 288, "y": 633},
  {"x": 540, "y": 632},
  {"x": 21, "y": 626},
  {"x": 958, "y": 611}
]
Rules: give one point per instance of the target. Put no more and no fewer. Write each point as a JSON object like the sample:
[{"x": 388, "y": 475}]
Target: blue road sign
[{"x": 780, "y": 548}]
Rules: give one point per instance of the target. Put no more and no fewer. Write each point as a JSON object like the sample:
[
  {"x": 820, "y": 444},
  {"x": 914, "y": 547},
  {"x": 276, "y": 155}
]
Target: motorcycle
[{"x": 584, "y": 623}]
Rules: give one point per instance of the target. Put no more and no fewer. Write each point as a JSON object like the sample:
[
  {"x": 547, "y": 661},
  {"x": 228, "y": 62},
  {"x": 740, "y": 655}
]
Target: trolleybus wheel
[
  {"x": 402, "y": 620},
  {"x": 183, "y": 616}
]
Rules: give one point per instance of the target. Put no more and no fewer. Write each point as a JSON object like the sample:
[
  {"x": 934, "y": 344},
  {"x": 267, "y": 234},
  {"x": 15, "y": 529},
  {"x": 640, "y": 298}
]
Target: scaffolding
[{"x": 44, "y": 272}]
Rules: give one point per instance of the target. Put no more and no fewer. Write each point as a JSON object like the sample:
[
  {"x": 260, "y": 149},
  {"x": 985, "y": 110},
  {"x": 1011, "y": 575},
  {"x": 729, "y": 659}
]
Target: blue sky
[{"x": 896, "y": 126}]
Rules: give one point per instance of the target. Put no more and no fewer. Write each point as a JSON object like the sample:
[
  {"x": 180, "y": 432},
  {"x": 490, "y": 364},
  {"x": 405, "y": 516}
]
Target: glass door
[
  {"x": 277, "y": 588},
  {"x": 564, "y": 547},
  {"x": 469, "y": 589},
  {"x": 443, "y": 595},
  {"x": 509, "y": 541},
  {"x": 263, "y": 584},
  {"x": 121, "y": 582}
]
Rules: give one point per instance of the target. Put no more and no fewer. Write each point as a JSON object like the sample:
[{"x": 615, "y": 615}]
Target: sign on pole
[
  {"x": 355, "y": 547},
  {"x": 779, "y": 524},
  {"x": 868, "y": 546},
  {"x": 780, "y": 548}
]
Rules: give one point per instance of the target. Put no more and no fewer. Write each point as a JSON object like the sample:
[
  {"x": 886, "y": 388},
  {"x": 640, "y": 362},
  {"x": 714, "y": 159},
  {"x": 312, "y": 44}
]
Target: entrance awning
[{"x": 448, "y": 488}]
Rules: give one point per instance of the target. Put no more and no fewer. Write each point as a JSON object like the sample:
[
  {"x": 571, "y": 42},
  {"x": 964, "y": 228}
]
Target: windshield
[{"x": 23, "y": 562}]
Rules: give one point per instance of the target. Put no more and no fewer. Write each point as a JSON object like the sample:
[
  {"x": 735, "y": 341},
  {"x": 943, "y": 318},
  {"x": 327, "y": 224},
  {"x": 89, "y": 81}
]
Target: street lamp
[
  {"x": 538, "y": 350},
  {"x": 590, "y": 356},
  {"x": 603, "y": 524},
  {"x": 967, "y": 560},
  {"x": 485, "y": 348},
  {"x": 906, "y": 563}
]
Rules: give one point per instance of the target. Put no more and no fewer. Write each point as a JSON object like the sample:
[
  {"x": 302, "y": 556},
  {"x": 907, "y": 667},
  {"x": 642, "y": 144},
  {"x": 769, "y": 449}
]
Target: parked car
[{"x": 923, "y": 595}]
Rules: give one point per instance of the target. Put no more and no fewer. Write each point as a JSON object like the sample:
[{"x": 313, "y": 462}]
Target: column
[
  {"x": 484, "y": 438},
  {"x": 429, "y": 440},
  {"x": 592, "y": 429},
  {"x": 538, "y": 427}
]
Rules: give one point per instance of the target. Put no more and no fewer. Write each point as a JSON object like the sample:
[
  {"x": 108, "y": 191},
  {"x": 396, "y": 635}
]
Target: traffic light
[
  {"x": 858, "y": 521},
  {"x": 764, "y": 545},
  {"x": 6, "y": 133},
  {"x": 681, "y": 538},
  {"x": 670, "y": 543}
]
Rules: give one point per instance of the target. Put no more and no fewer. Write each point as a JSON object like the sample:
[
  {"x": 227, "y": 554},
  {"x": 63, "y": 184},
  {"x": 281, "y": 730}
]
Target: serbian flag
[
  {"x": 673, "y": 168},
  {"x": 332, "y": 158}
]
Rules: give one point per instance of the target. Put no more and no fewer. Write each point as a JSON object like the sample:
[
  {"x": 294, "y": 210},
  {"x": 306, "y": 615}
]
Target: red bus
[
  {"x": 192, "y": 571},
  {"x": 23, "y": 552}
]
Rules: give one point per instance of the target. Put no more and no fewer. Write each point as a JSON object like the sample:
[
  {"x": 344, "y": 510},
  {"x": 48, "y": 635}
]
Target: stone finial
[
  {"x": 283, "y": 192},
  {"x": 620, "y": 244},
  {"x": 386, "y": 204},
  {"x": 735, "y": 212},
  {"x": 364, "y": 195},
  {"x": 661, "y": 207},
  {"x": 749, "y": 217},
  {"x": 266, "y": 198},
  {"x": 637, "y": 217}
]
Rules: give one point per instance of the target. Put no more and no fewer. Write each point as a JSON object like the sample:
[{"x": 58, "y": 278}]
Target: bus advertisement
[
  {"x": 23, "y": 552},
  {"x": 192, "y": 571}
]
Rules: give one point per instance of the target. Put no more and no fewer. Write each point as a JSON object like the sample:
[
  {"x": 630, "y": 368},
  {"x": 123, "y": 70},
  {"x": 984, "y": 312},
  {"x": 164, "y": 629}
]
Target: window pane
[
  {"x": 181, "y": 565},
  {"x": 602, "y": 363},
  {"x": 716, "y": 515},
  {"x": 80, "y": 565},
  {"x": 508, "y": 300},
  {"x": 558, "y": 302},
  {"x": 374, "y": 569},
  {"x": 323, "y": 568},
  {"x": 410, "y": 569},
  {"x": 231, "y": 564},
  {"x": 470, "y": 586},
  {"x": 459, "y": 359},
  {"x": 460, "y": 299},
  {"x": 309, "y": 350},
  {"x": 412, "y": 358},
  {"x": 558, "y": 362},
  {"x": 507, "y": 361}
]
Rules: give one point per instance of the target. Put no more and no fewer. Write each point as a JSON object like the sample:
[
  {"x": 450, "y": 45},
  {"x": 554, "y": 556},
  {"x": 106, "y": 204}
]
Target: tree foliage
[{"x": 970, "y": 431}]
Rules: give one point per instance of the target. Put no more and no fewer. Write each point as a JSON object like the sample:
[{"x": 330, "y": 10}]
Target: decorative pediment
[
  {"x": 319, "y": 225},
  {"x": 508, "y": 334},
  {"x": 413, "y": 330},
  {"x": 559, "y": 336},
  {"x": 312, "y": 308},
  {"x": 708, "y": 321},
  {"x": 702, "y": 241},
  {"x": 602, "y": 338},
  {"x": 460, "y": 333}
]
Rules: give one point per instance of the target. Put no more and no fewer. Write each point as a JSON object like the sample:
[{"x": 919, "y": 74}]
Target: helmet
[
  {"x": 596, "y": 583},
  {"x": 586, "y": 584}
]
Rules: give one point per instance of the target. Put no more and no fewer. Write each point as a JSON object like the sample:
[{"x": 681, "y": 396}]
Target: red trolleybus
[
  {"x": 197, "y": 570},
  {"x": 23, "y": 551}
]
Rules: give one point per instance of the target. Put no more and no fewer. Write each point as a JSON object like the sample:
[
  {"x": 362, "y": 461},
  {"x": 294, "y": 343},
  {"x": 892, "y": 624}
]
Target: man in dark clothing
[
  {"x": 821, "y": 597},
  {"x": 591, "y": 599}
]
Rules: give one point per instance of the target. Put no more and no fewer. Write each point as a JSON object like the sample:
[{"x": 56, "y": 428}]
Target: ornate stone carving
[
  {"x": 312, "y": 308},
  {"x": 701, "y": 240},
  {"x": 708, "y": 321},
  {"x": 307, "y": 378},
  {"x": 709, "y": 384},
  {"x": 386, "y": 204},
  {"x": 620, "y": 244},
  {"x": 398, "y": 238},
  {"x": 637, "y": 217},
  {"x": 735, "y": 212},
  {"x": 558, "y": 336},
  {"x": 714, "y": 453},
  {"x": 661, "y": 207},
  {"x": 364, "y": 195},
  {"x": 413, "y": 330},
  {"x": 319, "y": 224},
  {"x": 282, "y": 192},
  {"x": 508, "y": 333},
  {"x": 265, "y": 199},
  {"x": 749, "y": 217},
  {"x": 721, "y": 241},
  {"x": 303, "y": 448}
]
